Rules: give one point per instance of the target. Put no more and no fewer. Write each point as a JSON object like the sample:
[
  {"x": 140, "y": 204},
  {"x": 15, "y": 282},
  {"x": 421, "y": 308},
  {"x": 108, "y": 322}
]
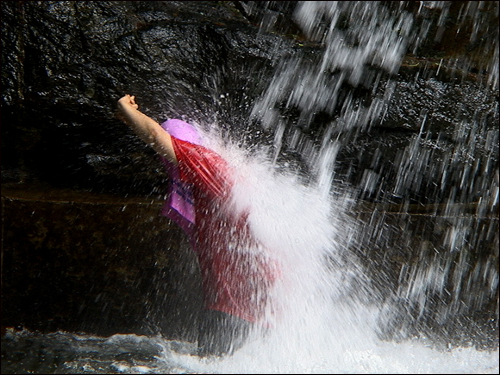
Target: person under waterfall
[{"x": 237, "y": 274}]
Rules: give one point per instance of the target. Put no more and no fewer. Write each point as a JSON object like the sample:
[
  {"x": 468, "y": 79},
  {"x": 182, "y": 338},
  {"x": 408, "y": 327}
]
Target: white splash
[{"x": 324, "y": 324}]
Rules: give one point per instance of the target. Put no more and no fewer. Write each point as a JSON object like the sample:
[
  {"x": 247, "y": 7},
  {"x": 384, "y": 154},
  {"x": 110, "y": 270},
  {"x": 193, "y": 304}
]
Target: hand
[
  {"x": 127, "y": 101},
  {"x": 124, "y": 105}
]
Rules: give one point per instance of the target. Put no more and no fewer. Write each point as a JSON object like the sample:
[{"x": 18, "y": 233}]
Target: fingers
[
  {"x": 129, "y": 100},
  {"x": 133, "y": 103}
]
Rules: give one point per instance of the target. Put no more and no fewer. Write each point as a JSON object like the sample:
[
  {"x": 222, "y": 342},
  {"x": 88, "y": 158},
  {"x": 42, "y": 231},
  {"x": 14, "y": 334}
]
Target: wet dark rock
[
  {"x": 416, "y": 269},
  {"x": 65, "y": 64},
  {"x": 92, "y": 263},
  {"x": 430, "y": 136}
]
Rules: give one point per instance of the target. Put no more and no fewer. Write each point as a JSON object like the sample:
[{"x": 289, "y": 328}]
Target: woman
[{"x": 236, "y": 271}]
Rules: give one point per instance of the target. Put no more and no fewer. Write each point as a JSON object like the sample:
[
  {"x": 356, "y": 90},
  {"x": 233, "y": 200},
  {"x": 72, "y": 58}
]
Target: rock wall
[
  {"x": 92, "y": 263},
  {"x": 65, "y": 64}
]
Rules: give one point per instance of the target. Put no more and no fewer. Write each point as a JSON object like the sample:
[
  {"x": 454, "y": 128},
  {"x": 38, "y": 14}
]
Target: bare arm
[{"x": 146, "y": 128}]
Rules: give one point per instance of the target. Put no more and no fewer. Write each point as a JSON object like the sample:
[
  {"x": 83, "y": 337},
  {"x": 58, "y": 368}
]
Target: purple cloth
[{"x": 179, "y": 206}]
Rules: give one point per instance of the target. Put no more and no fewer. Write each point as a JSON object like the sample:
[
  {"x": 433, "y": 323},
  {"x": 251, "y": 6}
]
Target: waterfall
[{"x": 337, "y": 302}]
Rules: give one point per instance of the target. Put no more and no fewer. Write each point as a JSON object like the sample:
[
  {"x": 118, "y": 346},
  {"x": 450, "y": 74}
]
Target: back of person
[{"x": 235, "y": 270}]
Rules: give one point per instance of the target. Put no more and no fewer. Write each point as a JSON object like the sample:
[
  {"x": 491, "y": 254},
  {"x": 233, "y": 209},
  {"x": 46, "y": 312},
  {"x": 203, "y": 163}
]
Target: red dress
[{"x": 236, "y": 272}]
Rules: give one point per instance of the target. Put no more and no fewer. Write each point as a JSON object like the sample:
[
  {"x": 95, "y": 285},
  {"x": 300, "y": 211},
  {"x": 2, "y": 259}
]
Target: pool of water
[{"x": 69, "y": 353}]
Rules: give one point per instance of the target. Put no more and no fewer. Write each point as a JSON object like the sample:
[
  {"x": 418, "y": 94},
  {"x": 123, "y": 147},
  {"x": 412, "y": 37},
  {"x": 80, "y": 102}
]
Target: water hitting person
[{"x": 236, "y": 271}]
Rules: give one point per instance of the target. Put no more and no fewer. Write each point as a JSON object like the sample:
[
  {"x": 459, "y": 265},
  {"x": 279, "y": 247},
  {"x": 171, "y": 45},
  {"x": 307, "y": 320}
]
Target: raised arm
[{"x": 146, "y": 128}]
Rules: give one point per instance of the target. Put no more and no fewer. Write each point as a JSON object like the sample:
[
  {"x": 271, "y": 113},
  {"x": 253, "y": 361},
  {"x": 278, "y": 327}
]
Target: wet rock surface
[
  {"x": 446, "y": 287},
  {"x": 93, "y": 263},
  {"x": 64, "y": 65},
  {"x": 67, "y": 63}
]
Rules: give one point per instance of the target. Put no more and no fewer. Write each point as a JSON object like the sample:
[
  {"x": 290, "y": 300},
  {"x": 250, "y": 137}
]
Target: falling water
[{"x": 334, "y": 317}]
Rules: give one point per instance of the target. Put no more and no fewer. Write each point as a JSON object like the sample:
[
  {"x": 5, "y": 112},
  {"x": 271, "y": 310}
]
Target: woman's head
[{"x": 182, "y": 130}]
